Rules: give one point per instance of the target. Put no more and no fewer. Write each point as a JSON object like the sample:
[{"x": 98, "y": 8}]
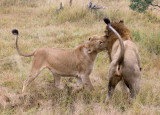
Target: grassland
[{"x": 40, "y": 26}]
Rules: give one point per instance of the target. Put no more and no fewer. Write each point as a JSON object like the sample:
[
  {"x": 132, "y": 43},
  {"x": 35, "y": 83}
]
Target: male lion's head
[
  {"x": 123, "y": 31},
  {"x": 110, "y": 37},
  {"x": 120, "y": 28}
]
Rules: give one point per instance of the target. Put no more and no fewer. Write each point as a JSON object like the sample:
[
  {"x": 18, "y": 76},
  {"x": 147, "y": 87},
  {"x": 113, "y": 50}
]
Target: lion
[
  {"x": 124, "y": 57},
  {"x": 77, "y": 62}
]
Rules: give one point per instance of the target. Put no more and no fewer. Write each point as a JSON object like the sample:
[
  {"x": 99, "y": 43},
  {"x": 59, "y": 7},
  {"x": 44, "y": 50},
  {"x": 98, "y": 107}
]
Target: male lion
[
  {"x": 77, "y": 63},
  {"x": 124, "y": 57}
]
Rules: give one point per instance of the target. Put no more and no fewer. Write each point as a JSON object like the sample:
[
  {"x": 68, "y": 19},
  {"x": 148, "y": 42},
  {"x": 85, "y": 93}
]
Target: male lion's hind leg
[
  {"x": 130, "y": 85},
  {"x": 123, "y": 87},
  {"x": 113, "y": 81},
  {"x": 132, "y": 80},
  {"x": 134, "y": 86}
]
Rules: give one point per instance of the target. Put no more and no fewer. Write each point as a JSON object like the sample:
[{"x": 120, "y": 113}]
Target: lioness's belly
[{"x": 62, "y": 62}]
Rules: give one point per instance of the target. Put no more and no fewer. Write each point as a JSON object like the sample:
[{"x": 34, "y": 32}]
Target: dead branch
[
  {"x": 155, "y": 5},
  {"x": 70, "y": 2},
  {"x": 60, "y": 8},
  {"x": 94, "y": 7},
  {"x": 89, "y": 4}
]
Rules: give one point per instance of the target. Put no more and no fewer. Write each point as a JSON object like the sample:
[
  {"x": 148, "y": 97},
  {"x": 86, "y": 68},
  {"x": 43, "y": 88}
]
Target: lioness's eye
[{"x": 89, "y": 39}]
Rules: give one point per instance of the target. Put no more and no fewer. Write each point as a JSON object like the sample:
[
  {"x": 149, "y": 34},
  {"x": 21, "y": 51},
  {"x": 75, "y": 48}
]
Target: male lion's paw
[
  {"x": 107, "y": 101},
  {"x": 131, "y": 100}
]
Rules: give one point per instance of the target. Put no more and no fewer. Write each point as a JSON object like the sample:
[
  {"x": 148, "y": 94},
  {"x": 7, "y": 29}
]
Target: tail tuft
[
  {"x": 15, "y": 32},
  {"x": 106, "y": 20}
]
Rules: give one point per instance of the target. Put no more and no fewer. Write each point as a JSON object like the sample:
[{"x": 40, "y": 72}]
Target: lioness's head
[{"x": 96, "y": 44}]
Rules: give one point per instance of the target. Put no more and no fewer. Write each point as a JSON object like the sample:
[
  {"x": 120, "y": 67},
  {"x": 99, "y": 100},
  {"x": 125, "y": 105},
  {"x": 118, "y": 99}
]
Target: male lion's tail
[
  {"x": 121, "y": 56},
  {"x": 15, "y": 32}
]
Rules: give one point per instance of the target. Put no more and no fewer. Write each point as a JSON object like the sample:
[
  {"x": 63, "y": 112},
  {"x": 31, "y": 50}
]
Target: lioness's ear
[
  {"x": 89, "y": 38},
  {"x": 89, "y": 50},
  {"x": 121, "y": 21}
]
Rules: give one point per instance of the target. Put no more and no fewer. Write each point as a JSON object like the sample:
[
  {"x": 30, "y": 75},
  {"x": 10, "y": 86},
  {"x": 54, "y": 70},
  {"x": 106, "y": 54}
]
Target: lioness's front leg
[
  {"x": 87, "y": 83},
  {"x": 57, "y": 84},
  {"x": 79, "y": 85},
  {"x": 57, "y": 80}
]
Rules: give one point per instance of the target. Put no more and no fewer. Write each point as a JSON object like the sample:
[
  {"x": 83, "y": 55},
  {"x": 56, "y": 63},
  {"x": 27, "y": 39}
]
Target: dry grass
[{"x": 40, "y": 26}]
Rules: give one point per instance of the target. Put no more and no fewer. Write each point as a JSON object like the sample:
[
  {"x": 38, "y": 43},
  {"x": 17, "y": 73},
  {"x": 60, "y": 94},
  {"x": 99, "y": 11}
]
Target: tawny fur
[
  {"x": 77, "y": 63},
  {"x": 126, "y": 70},
  {"x": 112, "y": 38}
]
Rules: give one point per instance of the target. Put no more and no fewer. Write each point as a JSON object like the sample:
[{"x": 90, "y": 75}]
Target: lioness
[
  {"x": 124, "y": 56},
  {"x": 77, "y": 63}
]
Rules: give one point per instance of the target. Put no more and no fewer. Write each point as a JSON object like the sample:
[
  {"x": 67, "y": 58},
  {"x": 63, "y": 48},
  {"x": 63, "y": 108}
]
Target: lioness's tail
[
  {"x": 15, "y": 32},
  {"x": 121, "y": 56}
]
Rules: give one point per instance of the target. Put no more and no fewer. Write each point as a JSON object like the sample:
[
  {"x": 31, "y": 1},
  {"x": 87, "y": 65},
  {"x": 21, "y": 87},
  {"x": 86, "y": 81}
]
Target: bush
[{"x": 140, "y": 5}]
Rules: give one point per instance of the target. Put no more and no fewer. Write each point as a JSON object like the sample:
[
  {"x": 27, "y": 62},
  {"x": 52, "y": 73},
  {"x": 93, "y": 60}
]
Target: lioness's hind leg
[
  {"x": 37, "y": 67},
  {"x": 34, "y": 73}
]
